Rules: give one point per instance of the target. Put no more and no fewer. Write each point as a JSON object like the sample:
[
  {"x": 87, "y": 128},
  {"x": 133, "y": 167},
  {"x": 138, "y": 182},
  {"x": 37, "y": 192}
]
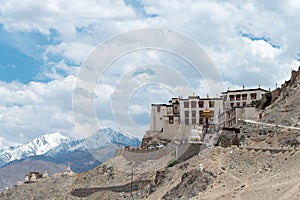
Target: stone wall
[{"x": 144, "y": 154}]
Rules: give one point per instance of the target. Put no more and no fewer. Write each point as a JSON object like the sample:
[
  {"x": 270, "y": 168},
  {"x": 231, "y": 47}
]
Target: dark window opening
[
  {"x": 186, "y": 113},
  {"x": 193, "y": 104},
  {"x": 187, "y": 121},
  {"x": 171, "y": 120},
  {"x": 201, "y": 104},
  {"x": 253, "y": 95},
  {"x": 186, "y": 104}
]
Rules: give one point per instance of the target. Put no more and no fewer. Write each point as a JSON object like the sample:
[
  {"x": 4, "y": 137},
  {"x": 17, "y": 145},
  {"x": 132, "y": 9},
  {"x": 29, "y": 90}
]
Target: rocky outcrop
[
  {"x": 284, "y": 87},
  {"x": 285, "y": 109},
  {"x": 191, "y": 184}
]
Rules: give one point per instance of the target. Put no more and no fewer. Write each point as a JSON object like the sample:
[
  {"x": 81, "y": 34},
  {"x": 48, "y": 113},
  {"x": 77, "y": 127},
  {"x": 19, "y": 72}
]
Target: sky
[{"x": 45, "y": 44}]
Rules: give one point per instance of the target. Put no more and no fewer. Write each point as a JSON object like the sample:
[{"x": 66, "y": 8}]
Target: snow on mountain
[
  {"x": 108, "y": 136},
  {"x": 52, "y": 144},
  {"x": 37, "y": 146},
  {"x": 103, "y": 137}
]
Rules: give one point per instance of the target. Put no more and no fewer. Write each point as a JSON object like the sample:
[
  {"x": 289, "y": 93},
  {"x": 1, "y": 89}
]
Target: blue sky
[{"x": 44, "y": 43}]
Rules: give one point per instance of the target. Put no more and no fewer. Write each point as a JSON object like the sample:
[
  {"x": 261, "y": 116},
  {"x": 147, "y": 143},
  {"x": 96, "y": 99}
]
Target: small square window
[
  {"x": 201, "y": 104},
  {"x": 193, "y": 104},
  {"x": 186, "y": 104}
]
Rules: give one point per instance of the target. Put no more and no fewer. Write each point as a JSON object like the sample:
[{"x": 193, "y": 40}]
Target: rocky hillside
[
  {"x": 217, "y": 173},
  {"x": 285, "y": 108}
]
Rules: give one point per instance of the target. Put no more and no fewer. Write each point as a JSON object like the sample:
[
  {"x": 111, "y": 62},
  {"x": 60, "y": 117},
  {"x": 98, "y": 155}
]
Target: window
[
  {"x": 244, "y": 96},
  {"x": 186, "y": 104},
  {"x": 253, "y": 96},
  {"x": 186, "y": 113},
  {"x": 193, "y": 104},
  {"x": 193, "y": 117},
  {"x": 200, "y": 120},
  {"x": 211, "y": 104},
  {"x": 238, "y": 97},
  {"x": 232, "y": 104},
  {"x": 238, "y": 103},
  {"x": 201, "y": 113},
  {"x": 244, "y": 103},
  {"x": 193, "y": 121},
  {"x": 175, "y": 111},
  {"x": 201, "y": 104},
  {"x": 171, "y": 120},
  {"x": 193, "y": 114},
  {"x": 187, "y": 121},
  {"x": 231, "y": 97},
  {"x": 158, "y": 108}
]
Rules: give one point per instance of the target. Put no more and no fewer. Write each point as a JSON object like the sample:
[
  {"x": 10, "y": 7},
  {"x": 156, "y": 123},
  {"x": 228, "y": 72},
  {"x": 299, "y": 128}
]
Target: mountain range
[
  {"x": 51, "y": 145},
  {"x": 54, "y": 152}
]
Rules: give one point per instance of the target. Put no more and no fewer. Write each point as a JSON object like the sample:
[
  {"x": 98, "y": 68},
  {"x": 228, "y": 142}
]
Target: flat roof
[
  {"x": 159, "y": 104},
  {"x": 245, "y": 90},
  {"x": 214, "y": 98}
]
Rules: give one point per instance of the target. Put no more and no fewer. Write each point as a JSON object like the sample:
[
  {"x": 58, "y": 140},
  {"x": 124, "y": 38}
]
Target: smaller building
[
  {"x": 68, "y": 171},
  {"x": 45, "y": 174},
  {"x": 32, "y": 177},
  {"x": 240, "y": 105},
  {"x": 243, "y": 98}
]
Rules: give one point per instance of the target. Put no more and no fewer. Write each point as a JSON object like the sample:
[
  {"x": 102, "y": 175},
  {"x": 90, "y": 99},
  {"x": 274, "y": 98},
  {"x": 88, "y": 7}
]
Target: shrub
[{"x": 171, "y": 163}]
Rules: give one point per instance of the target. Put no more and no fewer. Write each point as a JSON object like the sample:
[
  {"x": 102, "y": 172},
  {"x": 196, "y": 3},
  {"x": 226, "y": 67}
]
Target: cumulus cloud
[
  {"x": 249, "y": 42},
  {"x": 73, "y": 51},
  {"x": 138, "y": 109},
  {"x": 62, "y": 15},
  {"x": 36, "y": 108}
]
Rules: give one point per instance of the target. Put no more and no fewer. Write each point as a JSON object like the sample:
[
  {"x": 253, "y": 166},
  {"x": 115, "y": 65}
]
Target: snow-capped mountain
[
  {"x": 103, "y": 137},
  {"x": 37, "y": 146},
  {"x": 108, "y": 136},
  {"x": 52, "y": 144}
]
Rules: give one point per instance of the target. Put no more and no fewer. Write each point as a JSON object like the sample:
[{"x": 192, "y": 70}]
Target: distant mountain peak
[
  {"x": 37, "y": 146},
  {"x": 53, "y": 143}
]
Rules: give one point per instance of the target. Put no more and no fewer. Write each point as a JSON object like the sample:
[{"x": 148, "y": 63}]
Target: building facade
[
  {"x": 240, "y": 105},
  {"x": 185, "y": 111},
  {"x": 242, "y": 98},
  {"x": 181, "y": 115},
  {"x": 192, "y": 108},
  {"x": 162, "y": 114}
]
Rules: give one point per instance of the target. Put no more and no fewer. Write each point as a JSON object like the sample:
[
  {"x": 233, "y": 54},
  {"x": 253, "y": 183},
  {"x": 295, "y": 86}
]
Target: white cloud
[
  {"x": 34, "y": 108},
  {"x": 73, "y": 51},
  {"x": 4, "y": 142},
  {"x": 261, "y": 48},
  {"x": 62, "y": 15},
  {"x": 103, "y": 92},
  {"x": 138, "y": 109}
]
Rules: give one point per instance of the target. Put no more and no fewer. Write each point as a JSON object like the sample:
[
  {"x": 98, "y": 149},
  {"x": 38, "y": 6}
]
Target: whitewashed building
[
  {"x": 244, "y": 97},
  {"x": 240, "y": 105},
  {"x": 181, "y": 115},
  {"x": 191, "y": 109}
]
